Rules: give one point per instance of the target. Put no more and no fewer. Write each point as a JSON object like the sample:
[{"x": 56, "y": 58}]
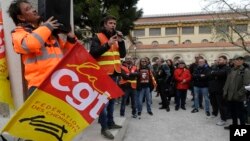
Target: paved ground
[
  {"x": 174, "y": 125},
  {"x": 166, "y": 126}
]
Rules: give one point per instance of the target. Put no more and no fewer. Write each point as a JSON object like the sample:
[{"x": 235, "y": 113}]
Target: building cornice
[{"x": 195, "y": 17}]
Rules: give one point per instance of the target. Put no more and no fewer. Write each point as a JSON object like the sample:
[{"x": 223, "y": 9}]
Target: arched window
[
  {"x": 171, "y": 42},
  {"x": 222, "y": 40},
  {"x": 187, "y": 42},
  {"x": 177, "y": 58},
  {"x": 204, "y": 41},
  {"x": 155, "y": 44},
  {"x": 139, "y": 43}
]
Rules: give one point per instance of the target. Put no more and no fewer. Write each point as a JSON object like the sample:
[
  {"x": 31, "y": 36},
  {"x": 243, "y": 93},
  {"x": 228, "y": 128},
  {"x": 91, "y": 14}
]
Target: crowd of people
[{"x": 221, "y": 86}]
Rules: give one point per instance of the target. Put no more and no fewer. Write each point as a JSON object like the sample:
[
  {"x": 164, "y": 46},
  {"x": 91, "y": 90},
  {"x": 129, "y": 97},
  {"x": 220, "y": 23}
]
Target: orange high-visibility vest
[
  {"x": 127, "y": 71},
  {"x": 110, "y": 60},
  {"x": 40, "y": 52}
]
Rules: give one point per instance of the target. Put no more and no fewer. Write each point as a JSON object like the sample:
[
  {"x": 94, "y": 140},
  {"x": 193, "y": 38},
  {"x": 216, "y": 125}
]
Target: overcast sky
[{"x": 152, "y": 7}]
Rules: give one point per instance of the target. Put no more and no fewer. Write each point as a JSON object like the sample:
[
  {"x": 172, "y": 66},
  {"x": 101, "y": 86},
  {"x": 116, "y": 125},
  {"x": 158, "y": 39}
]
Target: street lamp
[
  {"x": 134, "y": 42},
  {"x": 135, "y": 50}
]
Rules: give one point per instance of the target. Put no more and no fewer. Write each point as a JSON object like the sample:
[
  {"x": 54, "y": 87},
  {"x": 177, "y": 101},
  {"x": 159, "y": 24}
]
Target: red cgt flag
[{"x": 68, "y": 101}]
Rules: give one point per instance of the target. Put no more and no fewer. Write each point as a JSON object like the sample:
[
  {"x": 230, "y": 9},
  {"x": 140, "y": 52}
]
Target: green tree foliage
[{"x": 90, "y": 13}]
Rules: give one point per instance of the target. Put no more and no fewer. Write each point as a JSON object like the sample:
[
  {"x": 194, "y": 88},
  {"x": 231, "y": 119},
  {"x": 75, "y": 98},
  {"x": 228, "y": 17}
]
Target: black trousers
[
  {"x": 237, "y": 111},
  {"x": 163, "y": 94},
  {"x": 181, "y": 96},
  {"x": 218, "y": 104}
]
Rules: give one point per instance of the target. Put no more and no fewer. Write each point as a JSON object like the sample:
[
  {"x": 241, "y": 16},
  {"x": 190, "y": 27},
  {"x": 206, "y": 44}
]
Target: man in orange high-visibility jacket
[
  {"x": 107, "y": 48},
  {"x": 40, "y": 50},
  {"x": 128, "y": 84}
]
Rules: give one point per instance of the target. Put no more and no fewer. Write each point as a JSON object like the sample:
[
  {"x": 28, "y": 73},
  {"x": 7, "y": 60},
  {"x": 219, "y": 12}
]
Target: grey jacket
[{"x": 234, "y": 87}]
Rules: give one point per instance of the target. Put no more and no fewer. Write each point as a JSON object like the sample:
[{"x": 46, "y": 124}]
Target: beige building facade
[{"x": 183, "y": 36}]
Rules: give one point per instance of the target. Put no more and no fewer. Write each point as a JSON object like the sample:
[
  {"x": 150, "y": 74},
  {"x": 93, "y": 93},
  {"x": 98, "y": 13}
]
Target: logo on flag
[{"x": 71, "y": 97}]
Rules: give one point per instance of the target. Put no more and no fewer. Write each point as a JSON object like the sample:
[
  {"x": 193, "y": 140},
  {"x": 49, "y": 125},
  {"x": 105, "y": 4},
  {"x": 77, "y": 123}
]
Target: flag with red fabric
[
  {"x": 71, "y": 97},
  {"x": 6, "y": 102}
]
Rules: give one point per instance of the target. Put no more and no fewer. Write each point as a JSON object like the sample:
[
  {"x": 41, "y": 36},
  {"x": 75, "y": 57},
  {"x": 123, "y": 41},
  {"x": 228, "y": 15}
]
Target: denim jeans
[
  {"x": 106, "y": 116},
  {"x": 141, "y": 93},
  {"x": 204, "y": 92},
  {"x": 129, "y": 92}
]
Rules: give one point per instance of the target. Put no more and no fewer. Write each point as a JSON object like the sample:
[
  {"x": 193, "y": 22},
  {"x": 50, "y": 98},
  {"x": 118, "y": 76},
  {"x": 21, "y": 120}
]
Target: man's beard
[{"x": 111, "y": 32}]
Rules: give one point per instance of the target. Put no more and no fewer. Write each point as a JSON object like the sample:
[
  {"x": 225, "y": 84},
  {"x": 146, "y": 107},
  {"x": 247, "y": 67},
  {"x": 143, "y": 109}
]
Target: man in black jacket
[
  {"x": 200, "y": 79},
  {"x": 162, "y": 76},
  {"x": 192, "y": 68},
  {"x": 107, "y": 48},
  {"x": 218, "y": 77}
]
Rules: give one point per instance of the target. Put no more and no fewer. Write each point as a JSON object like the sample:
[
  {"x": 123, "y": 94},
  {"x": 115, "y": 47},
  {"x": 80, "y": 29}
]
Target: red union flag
[
  {"x": 5, "y": 92},
  {"x": 70, "y": 98}
]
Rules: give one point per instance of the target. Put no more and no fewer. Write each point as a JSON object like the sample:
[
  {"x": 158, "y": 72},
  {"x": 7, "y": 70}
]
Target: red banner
[
  {"x": 79, "y": 81},
  {"x": 69, "y": 100},
  {"x": 5, "y": 93}
]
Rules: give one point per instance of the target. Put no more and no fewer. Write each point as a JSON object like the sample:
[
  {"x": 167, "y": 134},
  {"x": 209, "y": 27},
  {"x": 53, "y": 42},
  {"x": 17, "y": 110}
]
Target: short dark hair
[
  {"x": 223, "y": 57},
  {"x": 15, "y": 10},
  {"x": 107, "y": 18}
]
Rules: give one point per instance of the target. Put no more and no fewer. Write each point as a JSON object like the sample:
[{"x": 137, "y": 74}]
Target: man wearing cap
[{"x": 234, "y": 91}]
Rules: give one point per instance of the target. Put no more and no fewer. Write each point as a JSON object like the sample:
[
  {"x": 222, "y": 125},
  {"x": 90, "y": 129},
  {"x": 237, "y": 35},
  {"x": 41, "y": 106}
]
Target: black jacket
[
  {"x": 197, "y": 79},
  {"x": 217, "y": 78},
  {"x": 96, "y": 50}
]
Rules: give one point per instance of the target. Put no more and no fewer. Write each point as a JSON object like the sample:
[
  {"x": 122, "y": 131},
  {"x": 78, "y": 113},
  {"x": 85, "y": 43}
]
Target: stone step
[{"x": 93, "y": 132}]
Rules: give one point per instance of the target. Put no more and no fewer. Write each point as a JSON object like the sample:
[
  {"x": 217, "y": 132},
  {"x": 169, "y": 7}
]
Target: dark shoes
[
  {"x": 107, "y": 134},
  {"x": 150, "y": 113},
  {"x": 201, "y": 107},
  {"x": 176, "y": 108},
  {"x": 161, "y": 108},
  {"x": 183, "y": 107},
  {"x": 134, "y": 116},
  {"x": 114, "y": 126},
  {"x": 167, "y": 109},
  {"x": 208, "y": 113},
  {"x": 227, "y": 127},
  {"x": 194, "y": 110},
  {"x": 139, "y": 115}
]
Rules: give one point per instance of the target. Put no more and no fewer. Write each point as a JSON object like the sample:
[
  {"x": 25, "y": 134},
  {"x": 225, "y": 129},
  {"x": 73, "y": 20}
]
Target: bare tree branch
[{"x": 229, "y": 16}]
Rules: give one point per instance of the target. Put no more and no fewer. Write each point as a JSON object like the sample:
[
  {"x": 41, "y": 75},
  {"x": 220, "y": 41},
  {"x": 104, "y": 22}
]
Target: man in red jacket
[{"x": 182, "y": 77}]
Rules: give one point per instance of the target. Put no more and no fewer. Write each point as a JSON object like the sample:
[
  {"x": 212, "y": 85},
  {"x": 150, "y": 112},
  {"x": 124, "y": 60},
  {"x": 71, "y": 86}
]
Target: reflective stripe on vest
[
  {"x": 39, "y": 38},
  {"x": 44, "y": 55},
  {"x": 110, "y": 60},
  {"x": 111, "y": 53},
  {"x": 132, "y": 82}
]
